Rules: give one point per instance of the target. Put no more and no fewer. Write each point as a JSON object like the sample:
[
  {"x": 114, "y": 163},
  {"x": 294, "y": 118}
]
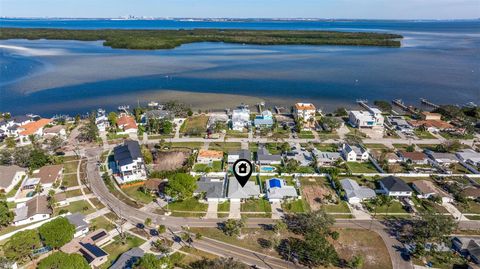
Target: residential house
[
  {"x": 81, "y": 226},
  {"x": 354, "y": 153},
  {"x": 157, "y": 114},
  {"x": 127, "y": 124},
  {"x": 400, "y": 124},
  {"x": 427, "y": 189},
  {"x": 233, "y": 156},
  {"x": 88, "y": 247},
  {"x": 442, "y": 158},
  {"x": 237, "y": 193},
  {"x": 305, "y": 112},
  {"x": 302, "y": 156},
  {"x": 240, "y": 119},
  {"x": 34, "y": 128},
  {"x": 10, "y": 176},
  {"x": 414, "y": 157},
  {"x": 128, "y": 259},
  {"x": 431, "y": 116},
  {"x": 471, "y": 192},
  {"x": 48, "y": 175},
  {"x": 325, "y": 158},
  {"x": 265, "y": 158},
  {"x": 129, "y": 164},
  {"x": 153, "y": 185},
  {"x": 55, "y": 131},
  {"x": 372, "y": 118},
  {"x": 354, "y": 193},
  {"x": 265, "y": 120},
  {"x": 468, "y": 247},
  {"x": 11, "y": 127},
  {"x": 61, "y": 199},
  {"x": 394, "y": 186},
  {"x": 433, "y": 126},
  {"x": 208, "y": 156},
  {"x": 35, "y": 209},
  {"x": 101, "y": 120},
  {"x": 469, "y": 156},
  {"x": 277, "y": 190},
  {"x": 213, "y": 188},
  {"x": 390, "y": 157}
]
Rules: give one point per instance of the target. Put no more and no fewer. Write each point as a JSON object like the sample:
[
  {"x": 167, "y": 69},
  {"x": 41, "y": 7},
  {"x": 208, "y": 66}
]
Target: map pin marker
[{"x": 242, "y": 170}]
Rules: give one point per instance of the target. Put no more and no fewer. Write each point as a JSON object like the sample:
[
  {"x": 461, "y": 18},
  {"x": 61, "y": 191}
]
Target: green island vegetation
[{"x": 169, "y": 39}]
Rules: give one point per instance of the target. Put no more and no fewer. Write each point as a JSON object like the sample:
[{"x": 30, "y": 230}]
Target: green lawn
[
  {"x": 73, "y": 193},
  {"x": 237, "y": 134},
  {"x": 296, "y": 206},
  {"x": 424, "y": 134},
  {"x": 395, "y": 207},
  {"x": 366, "y": 167},
  {"x": 224, "y": 207},
  {"x": 328, "y": 135},
  {"x": 79, "y": 206},
  {"x": 70, "y": 167},
  {"x": 341, "y": 207},
  {"x": 191, "y": 204},
  {"x": 306, "y": 135},
  {"x": 471, "y": 207},
  {"x": 400, "y": 146},
  {"x": 256, "y": 205},
  {"x": 70, "y": 180},
  {"x": 447, "y": 135},
  {"x": 137, "y": 195},
  {"x": 216, "y": 166},
  {"x": 225, "y": 146},
  {"x": 195, "y": 125},
  {"x": 113, "y": 136},
  {"x": 191, "y": 145},
  {"x": 324, "y": 147},
  {"x": 13, "y": 191},
  {"x": 116, "y": 248},
  {"x": 101, "y": 223},
  {"x": 375, "y": 146}
]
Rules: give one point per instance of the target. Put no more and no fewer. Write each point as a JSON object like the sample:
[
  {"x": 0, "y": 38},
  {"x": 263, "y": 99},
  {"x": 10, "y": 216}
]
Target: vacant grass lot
[
  {"x": 256, "y": 205},
  {"x": 366, "y": 167},
  {"x": 306, "y": 135},
  {"x": 191, "y": 204},
  {"x": 216, "y": 166},
  {"x": 70, "y": 167},
  {"x": 70, "y": 180},
  {"x": 191, "y": 145},
  {"x": 134, "y": 193},
  {"x": 101, "y": 223},
  {"x": 77, "y": 207},
  {"x": 237, "y": 134},
  {"x": 195, "y": 125},
  {"x": 341, "y": 207},
  {"x": 296, "y": 206},
  {"x": 225, "y": 146}
]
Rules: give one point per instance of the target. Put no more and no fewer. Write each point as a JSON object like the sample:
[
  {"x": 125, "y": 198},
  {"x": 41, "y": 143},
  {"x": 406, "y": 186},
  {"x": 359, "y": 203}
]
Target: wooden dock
[{"x": 428, "y": 103}]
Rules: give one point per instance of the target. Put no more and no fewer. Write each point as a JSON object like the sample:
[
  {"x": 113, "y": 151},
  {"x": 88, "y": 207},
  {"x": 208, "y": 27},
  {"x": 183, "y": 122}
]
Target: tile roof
[
  {"x": 205, "y": 153},
  {"x": 49, "y": 173},
  {"x": 414, "y": 156},
  {"x": 304, "y": 106},
  {"x": 439, "y": 124},
  {"x": 127, "y": 122},
  {"x": 34, "y": 126}
]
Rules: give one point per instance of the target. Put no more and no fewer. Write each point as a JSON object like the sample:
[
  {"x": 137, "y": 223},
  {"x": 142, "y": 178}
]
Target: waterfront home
[
  {"x": 35, "y": 209},
  {"x": 34, "y": 128},
  {"x": 427, "y": 189},
  {"x": 433, "y": 126},
  {"x": 400, "y": 124},
  {"x": 265, "y": 158},
  {"x": 265, "y": 120},
  {"x": 469, "y": 247},
  {"x": 325, "y": 158},
  {"x": 305, "y": 112},
  {"x": 55, "y": 131},
  {"x": 237, "y": 193},
  {"x": 157, "y": 114},
  {"x": 354, "y": 193},
  {"x": 215, "y": 118},
  {"x": 394, "y": 186},
  {"x": 212, "y": 188},
  {"x": 302, "y": 156},
  {"x": 10, "y": 176},
  {"x": 208, "y": 156},
  {"x": 442, "y": 158},
  {"x": 354, "y": 153},
  {"x": 372, "y": 118},
  {"x": 430, "y": 116},
  {"x": 128, "y": 162},
  {"x": 127, "y": 124},
  {"x": 240, "y": 119},
  {"x": 233, "y": 156},
  {"x": 101, "y": 120},
  {"x": 88, "y": 247},
  {"x": 48, "y": 175},
  {"x": 414, "y": 157},
  {"x": 81, "y": 226},
  {"x": 128, "y": 259},
  {"x": 277, "y": 190},
  {"x": 469, "y": 156}
]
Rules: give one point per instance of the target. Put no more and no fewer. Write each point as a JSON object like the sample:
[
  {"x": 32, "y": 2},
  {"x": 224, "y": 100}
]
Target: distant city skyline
[{"x": 327, "y": 9}]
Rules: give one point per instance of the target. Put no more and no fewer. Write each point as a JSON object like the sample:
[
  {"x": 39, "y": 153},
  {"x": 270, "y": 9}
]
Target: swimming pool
[{"x": 267, "y": 169}]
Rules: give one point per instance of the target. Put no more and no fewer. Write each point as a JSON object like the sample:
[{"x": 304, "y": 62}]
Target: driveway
[
  {"x": 234, "y": 210},
  {"x": 212, "y": 210},
  {"x": 454, "y": 211},
  {"x": 277, "y": 211}
]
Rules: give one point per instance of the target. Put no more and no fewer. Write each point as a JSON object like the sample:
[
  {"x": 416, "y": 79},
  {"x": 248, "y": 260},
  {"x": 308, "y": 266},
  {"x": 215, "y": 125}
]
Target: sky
[{"x": 351, "y": 9}]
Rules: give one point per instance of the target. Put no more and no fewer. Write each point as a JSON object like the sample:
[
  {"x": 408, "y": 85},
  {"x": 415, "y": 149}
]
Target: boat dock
[
  {"x": 399, "y": 103},
  {"x": 363, "y": 103},
  {"x": 428, "y": 103}
]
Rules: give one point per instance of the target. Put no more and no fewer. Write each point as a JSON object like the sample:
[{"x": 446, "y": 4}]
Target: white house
[
  {"x": 233, "y": 156},
  {"x": 394, "y": 186},
  {"x": 237, "y": 193},
  {"x": 354, "y": 193},
  {"x": 240, "y": 119},
  {"x": 366, "y": 119},
  {"x": 305, "y": 112},
  {"x": 10, "y": 176},
  {"x": 129, "y": 164},
  {"x": 427, "y": 189},
  {"x": 101, "y": 120},
  {"x": 469, "y": 156},
  {"x": 57, "y": 130},
  {"x": 33, "y": 128},
  {"x": 35, "y": 209},
  {"x": 277, "y": 190},
  {"x": 81, "y": 226},
  {"x": 354, "y": 153},
  {"x": 325, "y": 158}
]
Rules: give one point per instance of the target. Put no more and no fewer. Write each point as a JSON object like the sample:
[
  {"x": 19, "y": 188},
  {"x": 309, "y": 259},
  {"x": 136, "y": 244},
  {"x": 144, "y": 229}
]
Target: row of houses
[{"x": 24, "y": 126}]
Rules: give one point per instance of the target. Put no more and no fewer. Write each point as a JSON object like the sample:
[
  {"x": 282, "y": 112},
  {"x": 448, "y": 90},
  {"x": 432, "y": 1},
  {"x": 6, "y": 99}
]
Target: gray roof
[
  {"x": 20, "y": 118},
  {"x": 352, "y": 189},
  {"x": 34, "y": 206},
  {"x": 7, "y": 172},
  {"x": 235, "y": 190},
  {"x": 326, "y": 156},
  {"x": 263, "y": 154},
  {"x": 262, "y": 121},
  {"x": 126, "y": 153},
  {"x": 128, "y": 259},
  {"x": 158, "y": 114},
  {"x": 78, "y": 220},
  {"x": 213, "y": 187},
  {"x": 395, "y": 184},
  {"x": 243, "y": 154}
]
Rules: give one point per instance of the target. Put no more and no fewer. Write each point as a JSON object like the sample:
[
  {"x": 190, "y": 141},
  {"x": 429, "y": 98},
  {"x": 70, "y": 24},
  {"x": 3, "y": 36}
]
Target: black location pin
[{"x": 242, "y": 170}]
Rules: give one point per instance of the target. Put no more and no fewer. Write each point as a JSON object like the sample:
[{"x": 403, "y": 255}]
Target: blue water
[{"x": 438, "y": 60}]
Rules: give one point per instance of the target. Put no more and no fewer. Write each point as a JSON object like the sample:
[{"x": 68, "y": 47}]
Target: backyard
[{"x": 359, "y": 167}]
